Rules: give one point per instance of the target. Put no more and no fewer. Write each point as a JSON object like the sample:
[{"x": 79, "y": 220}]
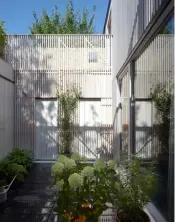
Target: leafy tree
[
  {"x": 72, "y": 22},
  {"x": 2, "y": 39}
]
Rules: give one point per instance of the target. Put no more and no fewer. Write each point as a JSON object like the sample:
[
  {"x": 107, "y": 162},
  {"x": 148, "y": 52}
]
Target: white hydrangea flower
[
  {"x": 75, "y": 180},
  {"x": 61, "y": 158},
  {"x": 69, "y": 163},
  {"x": 111, "y": 164},
  {"x": 76, "y": 156},
  {"x": 108, "y": 204},
  {"x": 60, "y": 184},
  {"x": 99, "y": 164},
  {"x": 88, "y": 172},
  {"x": 57, "y": 169}
]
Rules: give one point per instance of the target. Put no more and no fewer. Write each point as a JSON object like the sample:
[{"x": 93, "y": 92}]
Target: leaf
[{"x": 72, "y": 22}]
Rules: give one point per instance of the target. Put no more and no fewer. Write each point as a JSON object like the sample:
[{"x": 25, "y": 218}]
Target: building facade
[
  {"x": 45, "y": 64},
  {"x": 143, "y": 60}
]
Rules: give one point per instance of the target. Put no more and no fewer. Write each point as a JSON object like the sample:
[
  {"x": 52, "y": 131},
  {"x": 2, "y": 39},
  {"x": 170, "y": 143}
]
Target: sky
[{"x": 17, "y": 14}]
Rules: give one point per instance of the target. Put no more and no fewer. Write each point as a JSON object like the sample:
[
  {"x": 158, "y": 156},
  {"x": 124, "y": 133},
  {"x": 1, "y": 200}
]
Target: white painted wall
[{"x": 6, "y": 109}]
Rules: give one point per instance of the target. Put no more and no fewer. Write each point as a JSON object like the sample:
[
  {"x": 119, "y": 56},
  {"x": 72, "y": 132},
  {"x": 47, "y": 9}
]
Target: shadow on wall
[
  {"x": 93, "y": 142},
  {"x": 93, "y": 139},
  {"x": 147, "y": 144},
  {"x": 35, "y": 117},
  {"x": 148, "y": 134},
  {"x": 30, "y": 82}
]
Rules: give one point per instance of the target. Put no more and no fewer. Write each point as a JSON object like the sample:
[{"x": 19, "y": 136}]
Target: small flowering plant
[{"x": 83, "y": 189}]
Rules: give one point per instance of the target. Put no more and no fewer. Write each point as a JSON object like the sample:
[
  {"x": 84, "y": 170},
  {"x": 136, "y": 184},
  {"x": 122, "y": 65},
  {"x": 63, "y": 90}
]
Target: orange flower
[
  {"x": 68, "y": 216},
  {"x": 81, "y": 218}
]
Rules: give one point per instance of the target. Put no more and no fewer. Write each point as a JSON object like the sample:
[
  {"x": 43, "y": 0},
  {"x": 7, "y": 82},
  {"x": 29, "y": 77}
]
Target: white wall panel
[{"x": 6, "y": 109}]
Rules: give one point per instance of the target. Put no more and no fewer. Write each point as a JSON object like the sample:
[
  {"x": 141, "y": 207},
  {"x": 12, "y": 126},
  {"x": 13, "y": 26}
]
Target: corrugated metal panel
[
  {"x": 46, "y": 63},
  {"x": 154, "y": 66}
]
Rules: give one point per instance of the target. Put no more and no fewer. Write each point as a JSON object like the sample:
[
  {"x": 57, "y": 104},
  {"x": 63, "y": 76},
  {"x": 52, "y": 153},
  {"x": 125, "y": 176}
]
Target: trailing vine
[
  {"x": 162, "y": 100},
  {"x": 68, "y": 102},
  {"x": 2, "y": 39}
]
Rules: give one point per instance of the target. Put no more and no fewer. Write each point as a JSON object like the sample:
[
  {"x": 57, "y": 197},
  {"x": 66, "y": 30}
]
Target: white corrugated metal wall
[
  {"x": 46, "y": 63},
  {"x": 6, "y": 109}
]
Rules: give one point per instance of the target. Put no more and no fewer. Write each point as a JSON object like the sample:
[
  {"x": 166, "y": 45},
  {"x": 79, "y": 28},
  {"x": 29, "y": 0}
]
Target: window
[
  {"x": 154, "y": 71},
  {"x": 92, "y": 57}
]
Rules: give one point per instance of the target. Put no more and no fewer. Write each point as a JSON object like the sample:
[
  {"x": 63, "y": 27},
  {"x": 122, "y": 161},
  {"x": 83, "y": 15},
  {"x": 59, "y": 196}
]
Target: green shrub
[
  {"x": 133, "y": 191},
  {"x": 8, "y": 170},
  {"x": 21, "y": 157},
  {"x": 3, "y": 172},
  {"x": 18, "y": 170}
]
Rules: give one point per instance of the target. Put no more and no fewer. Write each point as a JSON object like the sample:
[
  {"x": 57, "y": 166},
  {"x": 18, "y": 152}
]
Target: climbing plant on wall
[
  {"x": 2, "y": 39},
  {"x": 162, "y": 99},
  {"x": 68, "y": 102}
]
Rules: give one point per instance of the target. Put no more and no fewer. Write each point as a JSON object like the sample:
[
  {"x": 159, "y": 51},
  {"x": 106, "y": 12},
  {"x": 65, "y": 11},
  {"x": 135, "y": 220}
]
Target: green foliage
[
  {"x": 132, "y": 192},
  {"x": 71, "y": 23},
  {"x": 162, "y": 100},
  {"x": 2, "y": 39},
  {"x": 3, "y": 172},
  {"x": 21, "y": 157},
  {"x": 82, "y": 190},
  {"x": 89, "y": 190},
  {"x": 68, "y": 102},
  {"x": 16, "y": 169},
  {"x": 8, "y": 170},
  {"x": 17, "y": 163}
]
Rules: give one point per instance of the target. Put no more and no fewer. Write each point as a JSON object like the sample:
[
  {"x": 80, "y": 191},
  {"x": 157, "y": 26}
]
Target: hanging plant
[
  {"x": 162, "y": 99},
  {"x": 68, "y": 102},
  {"x": 2, "y": 39}
]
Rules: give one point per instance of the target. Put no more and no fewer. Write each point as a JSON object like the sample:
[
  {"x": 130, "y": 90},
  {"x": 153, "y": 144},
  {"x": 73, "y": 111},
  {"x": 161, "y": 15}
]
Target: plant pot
[
  {"x": 143, "y": 217},
  {"x": 4, "y": 190},
  {"x": 3, "y": 194}
]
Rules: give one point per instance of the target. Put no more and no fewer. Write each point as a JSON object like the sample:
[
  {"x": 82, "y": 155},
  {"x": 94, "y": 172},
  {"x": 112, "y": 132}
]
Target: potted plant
[
  {"x": 82, "y": 188},
  {"x": 133, "y": 190},
  {"x": 9, "y": 171}
]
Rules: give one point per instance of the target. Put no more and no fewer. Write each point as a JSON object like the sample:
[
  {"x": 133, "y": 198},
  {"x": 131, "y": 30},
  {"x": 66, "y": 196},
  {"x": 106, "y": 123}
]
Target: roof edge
[{"x": 107, "y": 13}]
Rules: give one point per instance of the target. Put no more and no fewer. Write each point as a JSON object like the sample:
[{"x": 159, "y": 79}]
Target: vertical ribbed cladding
[
  {"x": 44, "y": 62},
  {"x": 154, "y": 66}
]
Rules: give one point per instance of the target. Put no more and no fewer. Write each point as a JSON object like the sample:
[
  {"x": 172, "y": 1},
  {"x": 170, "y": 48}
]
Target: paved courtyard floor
[{"x": 32, "y": 201}]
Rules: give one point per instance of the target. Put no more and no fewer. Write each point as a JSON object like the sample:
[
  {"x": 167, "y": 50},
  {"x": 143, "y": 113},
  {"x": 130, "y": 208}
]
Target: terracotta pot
[
  {"x": 119, "y": 220},
  {"x": 81, "y": 218}
]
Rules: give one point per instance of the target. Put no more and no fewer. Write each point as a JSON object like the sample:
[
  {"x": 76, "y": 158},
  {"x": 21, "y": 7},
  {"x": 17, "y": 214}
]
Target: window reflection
[{"x": 169, "y": 27}]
